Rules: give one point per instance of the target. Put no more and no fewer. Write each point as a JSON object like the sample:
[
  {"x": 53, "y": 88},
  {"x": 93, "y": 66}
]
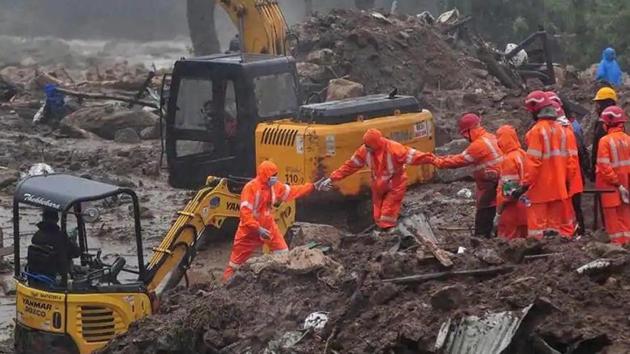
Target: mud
[{"x": 369, "y": 316}]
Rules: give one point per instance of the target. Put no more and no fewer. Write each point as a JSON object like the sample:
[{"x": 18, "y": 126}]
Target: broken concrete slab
[{"x": 126, "y": 136}]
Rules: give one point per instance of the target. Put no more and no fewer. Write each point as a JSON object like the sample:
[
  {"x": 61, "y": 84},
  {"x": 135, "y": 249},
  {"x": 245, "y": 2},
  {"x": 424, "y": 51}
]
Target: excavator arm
[
  {"x": 203, "y": 216},
  {"x": 261, "y": 24}
]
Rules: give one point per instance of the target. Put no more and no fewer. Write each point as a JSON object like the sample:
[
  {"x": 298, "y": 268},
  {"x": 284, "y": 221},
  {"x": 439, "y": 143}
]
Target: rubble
[{"x": 106, "y": 120}]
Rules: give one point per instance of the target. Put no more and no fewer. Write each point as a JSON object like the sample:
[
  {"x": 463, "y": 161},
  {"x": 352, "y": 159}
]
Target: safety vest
[{"x": 613, "y": 165}]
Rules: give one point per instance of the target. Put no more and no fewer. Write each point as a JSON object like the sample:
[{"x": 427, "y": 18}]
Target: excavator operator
[
  {"x": 257, "y": 226},
  {"x": 51, "y": 252}
]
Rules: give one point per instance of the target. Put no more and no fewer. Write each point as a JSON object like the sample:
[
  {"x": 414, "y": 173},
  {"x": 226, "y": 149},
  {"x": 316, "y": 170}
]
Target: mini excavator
[{"x": 81, "y": 311}]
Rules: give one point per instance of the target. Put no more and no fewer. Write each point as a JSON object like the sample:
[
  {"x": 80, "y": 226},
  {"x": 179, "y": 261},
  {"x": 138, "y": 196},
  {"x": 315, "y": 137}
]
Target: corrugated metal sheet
[{"x": 474, "y": 335}]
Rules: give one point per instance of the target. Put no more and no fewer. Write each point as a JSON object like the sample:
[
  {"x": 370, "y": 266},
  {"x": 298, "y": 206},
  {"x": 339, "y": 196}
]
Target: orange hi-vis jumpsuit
[
  {"x": 613, "y": 170},
  {"x": 548, "y": 171},
  {"x": 485, "y": 156},
  {"x": 513, "y": 220},
  {"x": 387, "y": 161},
  {"x": 256, "y": 210}
]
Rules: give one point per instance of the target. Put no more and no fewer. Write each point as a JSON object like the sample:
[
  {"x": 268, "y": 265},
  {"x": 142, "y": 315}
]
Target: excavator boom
[
  {"x": 205, "y": 212},
  {"x": 261, "y": 24}
]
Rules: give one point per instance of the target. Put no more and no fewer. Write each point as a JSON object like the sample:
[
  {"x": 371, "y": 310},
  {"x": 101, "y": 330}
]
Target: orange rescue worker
[
  {"x": 484, "y": 155},
  {"x": 613, "y": 171},
  {"x": 578, "y": 151},
  {"x": 576, "y": 184},
  {"x": 548, "y": 172},
  {"x": 257, "y": 226},
  {"x": 511, "y": 213},
  {"x": 387, "y": 159}
]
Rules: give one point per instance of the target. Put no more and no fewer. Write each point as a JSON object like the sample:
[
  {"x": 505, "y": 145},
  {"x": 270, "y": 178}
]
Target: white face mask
[{"x": 272, "y": 181}]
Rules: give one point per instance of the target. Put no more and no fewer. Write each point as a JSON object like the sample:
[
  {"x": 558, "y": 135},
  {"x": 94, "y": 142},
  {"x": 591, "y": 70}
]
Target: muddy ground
[{"x": 366, "y": 315}]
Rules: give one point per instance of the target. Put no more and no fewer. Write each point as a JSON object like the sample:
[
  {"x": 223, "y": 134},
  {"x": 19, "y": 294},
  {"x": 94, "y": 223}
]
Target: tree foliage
[{"x": 582, "y": 28}]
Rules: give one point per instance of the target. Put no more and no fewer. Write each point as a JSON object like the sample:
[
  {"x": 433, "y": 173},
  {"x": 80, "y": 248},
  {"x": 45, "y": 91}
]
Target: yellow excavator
[
  {"x": 224, "y": 115},
  {"x": 227, "y": 113},
  {"x": 80, "y": 311}
]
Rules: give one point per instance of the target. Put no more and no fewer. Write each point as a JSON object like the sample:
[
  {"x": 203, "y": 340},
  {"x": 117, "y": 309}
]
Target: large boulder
[
  {"x": 105, "y": 121},
  {"x": 339, "y": 89}
]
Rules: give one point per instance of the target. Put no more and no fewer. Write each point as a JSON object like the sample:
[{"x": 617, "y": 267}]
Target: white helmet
[{"x": 40, "y": 169}]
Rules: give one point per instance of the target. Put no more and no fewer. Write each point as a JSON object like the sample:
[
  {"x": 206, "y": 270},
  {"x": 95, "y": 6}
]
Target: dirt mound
[
  {"x": 380, "y": 53},
  {"x": 366, "y": 313}
]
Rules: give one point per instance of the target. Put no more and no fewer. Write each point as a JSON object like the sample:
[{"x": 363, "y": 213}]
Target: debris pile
[
  {"x": 391, "y": 294},
  {"x": 381, "y": 53}
]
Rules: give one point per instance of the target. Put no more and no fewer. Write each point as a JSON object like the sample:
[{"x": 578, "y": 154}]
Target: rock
[
  {"x": 489, "y": 256},
  {"x": 76, "y": 132},
  {"x": 8, "y": 177},
  {"x": 75, "y": 166},
  {"x": 385, "y": 293},
  {"x": 452, "y": 148},
  {"x": 126, "y": 136},
  {"x": 404, "y": 35},
  {"x": 311, "y": 71},
  {"x": 324, "y": 235},
  {"x": 150, "y": 133},
  {"x": 7, "y": 284},
  {"x": 339, "y": 89},
  {"x": 448, "y": 298},
  {"x": 105, "y": 121},
  {"x": 321, "y": 57},
  {"x": 152, "y": 169}
]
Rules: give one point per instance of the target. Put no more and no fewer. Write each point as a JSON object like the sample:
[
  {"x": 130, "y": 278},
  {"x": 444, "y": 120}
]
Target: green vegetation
[{"x": 582, "y": 28}]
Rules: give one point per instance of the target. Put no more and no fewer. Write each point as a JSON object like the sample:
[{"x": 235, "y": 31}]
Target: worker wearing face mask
[{"x": 257, "y": 226}]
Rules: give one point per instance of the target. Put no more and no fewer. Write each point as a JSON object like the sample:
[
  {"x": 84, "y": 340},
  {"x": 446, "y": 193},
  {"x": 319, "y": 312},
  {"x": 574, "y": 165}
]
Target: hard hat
[
  {"x": 536, "y": 101},
  {"x": 468, "y": 121},
  {"x": 613, "y": 115},
  {"x": 606, "y": 93},
  {"x": 554, "y": 97}
]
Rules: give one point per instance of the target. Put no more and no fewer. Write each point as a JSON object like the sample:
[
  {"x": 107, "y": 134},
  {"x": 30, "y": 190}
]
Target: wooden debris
[
  {"x": 412, "y": 279},
  {"x": 102, "y": 96}
]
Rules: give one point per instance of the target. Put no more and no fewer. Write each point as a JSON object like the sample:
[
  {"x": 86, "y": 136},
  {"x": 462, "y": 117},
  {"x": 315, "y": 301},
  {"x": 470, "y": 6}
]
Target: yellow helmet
[{"x": 606, "y": 93}]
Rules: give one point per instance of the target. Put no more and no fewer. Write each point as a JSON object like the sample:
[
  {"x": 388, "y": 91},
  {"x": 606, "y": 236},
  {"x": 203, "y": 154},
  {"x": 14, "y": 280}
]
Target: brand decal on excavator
[
  {"x": 421, "y": 129},
  {"x": 35, "y": 307},
  {"x": 40, "y": 201},
  {"x": 232, "y": 206}
]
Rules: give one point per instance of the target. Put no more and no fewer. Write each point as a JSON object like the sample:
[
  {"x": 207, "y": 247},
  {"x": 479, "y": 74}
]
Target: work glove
[
  {"x": 264, "y": 233},
  {"x": 625, "y": 194},
  {"x": 518, "y": 192},
  {"x": 324, "y": 185}
]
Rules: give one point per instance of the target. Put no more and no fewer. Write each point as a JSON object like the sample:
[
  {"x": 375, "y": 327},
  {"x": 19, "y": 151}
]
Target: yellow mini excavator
[
  {"x": 227, "y": 113},
  {"x": 80, "y": 311}
]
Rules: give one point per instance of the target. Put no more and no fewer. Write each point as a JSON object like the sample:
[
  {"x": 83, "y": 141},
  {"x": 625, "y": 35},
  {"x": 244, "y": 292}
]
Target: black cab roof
[{"x": 60, "y": 191}]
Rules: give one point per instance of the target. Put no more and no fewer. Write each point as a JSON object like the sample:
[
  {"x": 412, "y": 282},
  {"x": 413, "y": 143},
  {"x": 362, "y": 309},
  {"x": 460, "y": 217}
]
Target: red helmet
[
  {"x": 468, "y": 121},
  {"x": 613, "y": 115},
  {"x": 559, "y": 110},
  {"x": 536, "y": 101},
  {"x": 554, "y": 97}
]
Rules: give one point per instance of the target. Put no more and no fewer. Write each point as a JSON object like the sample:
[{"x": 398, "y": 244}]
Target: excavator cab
[
  {"x": 214, "y": 106},
  {"x": 79, "y": 311}
]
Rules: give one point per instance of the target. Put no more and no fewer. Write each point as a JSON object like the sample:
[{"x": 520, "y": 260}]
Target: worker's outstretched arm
[
  {"x": 470, "y": 156},
  {"x": 288, "y": 193},
  {"x": 534, "y": 158},
  {"x": 248, "y": 197},
  {"x": 604, "y": 168},
  {"x": 351, "y": 166},
  {"x": 411, "y": 156}
]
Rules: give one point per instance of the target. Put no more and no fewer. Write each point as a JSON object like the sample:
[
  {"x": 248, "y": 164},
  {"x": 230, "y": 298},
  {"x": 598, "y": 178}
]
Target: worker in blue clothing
[{"x": 608, "y": 69}]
